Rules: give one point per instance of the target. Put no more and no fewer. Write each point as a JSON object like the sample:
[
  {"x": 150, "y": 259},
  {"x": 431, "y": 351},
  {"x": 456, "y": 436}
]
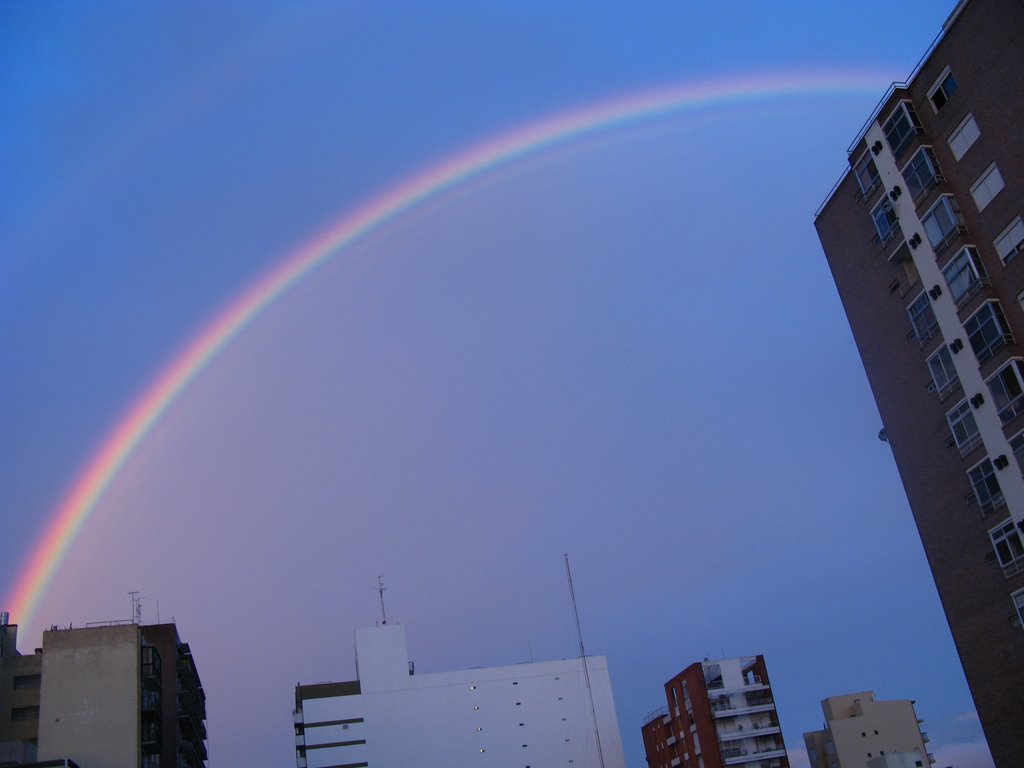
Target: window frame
[
  {"x": 937, "y": 361},
  {"x": 1018, "y": 450},
  {"x": 992, "y": 341},
  {"x": 865, "y": 160},
  {"x": 1016, "y": 227},
  {"x": 904, "y": 108},
  {"x": 940, "y": 86},
  {"x": 979, "y": 476},
  {"x": 893, "y": 221},
  {"x": 958, "y": 418},
  {"x": 927, "y": 185},
  {"x": 962, "y": 132},
  {"x": 926, "y": 308},
  {"x": 1013, "y": 405},
  {"x": 1006, "y": 531},
  {"x": 1017, "y": 598},
  {"x": 947, "y": 203},
  {"x": 966, "y": 260},
  {"x": 990, "y": 189}
]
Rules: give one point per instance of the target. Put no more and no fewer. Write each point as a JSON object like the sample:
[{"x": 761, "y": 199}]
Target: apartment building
[
  {"x": 118, "y": 695},
  {"x": 718, "y": 713},
  {"x": 861, "y": 732},
  {"x": 527, "y": 715},
  {"x": 924, "y": 235}
]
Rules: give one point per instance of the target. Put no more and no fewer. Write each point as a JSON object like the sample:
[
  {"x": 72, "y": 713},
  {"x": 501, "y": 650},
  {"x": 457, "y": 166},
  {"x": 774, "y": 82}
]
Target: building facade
[
  {"x": 860, "y": 732},
  {"x": 527, "y": 715},
  {"x": 718, "y": 713},
  {"x": 120, "y": 696},
  {"x": 924, "y": 236}
]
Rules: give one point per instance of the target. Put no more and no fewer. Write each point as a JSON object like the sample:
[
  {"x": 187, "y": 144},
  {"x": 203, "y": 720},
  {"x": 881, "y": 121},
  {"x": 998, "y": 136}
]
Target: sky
[{"x": 626, "y": 347}]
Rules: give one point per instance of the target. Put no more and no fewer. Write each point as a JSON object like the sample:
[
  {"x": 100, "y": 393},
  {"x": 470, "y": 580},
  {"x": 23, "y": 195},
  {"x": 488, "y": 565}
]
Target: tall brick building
[{"x": 924, "y": 238}]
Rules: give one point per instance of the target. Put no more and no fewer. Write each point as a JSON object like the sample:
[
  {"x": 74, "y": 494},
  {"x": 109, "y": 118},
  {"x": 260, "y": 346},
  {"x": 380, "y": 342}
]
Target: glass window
[
  {"x": 1018, "y": 603},
  {"x": 885, "y": 219},
  {"x": 922, "y": 317},
  {"x": 964, "y": 136},
  {"x": 1007, "y": 388},
  {"x": 942, "y": 222},
  {"x": 1006, "y": 541},
  {"x": 986, "y": 487},
  {"x": 901, "y": 127},
  {"x": 944, "y": 375},
  {"x": 964, "y": 428},
  {"x": 964, "y": 275},
  {"x": 866, "y": 172},
  {"x": 1017, "y": 446},
  {"x": 921, "y": 173},
  {"x": 987, "y": 187},
  {"x": 986, "y": 330},
  {"x": 942, "y": 89},
  {"x": 1010, "y": 240}
]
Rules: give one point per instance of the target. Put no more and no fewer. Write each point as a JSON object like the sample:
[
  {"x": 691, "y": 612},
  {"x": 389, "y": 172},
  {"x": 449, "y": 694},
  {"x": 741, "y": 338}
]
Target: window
[
  {"x": 964, "y": 136},
  {"x": 942, "y": 89},
  {"x": 1018, "y": 603},
  {"x": 866, "y": 172},
  {"x": 901, "y": 127},
  {"x": 24, "y": 713},
  {"x": 1006, "y": 541},
  {"x": 1007, "y": 388},
  {"x": 885, "y": 220},
  {"x": 921, "y": 173},
  {"x": 922, "y": 317},
  {"x": 964, "y": 428},
  {"x": 986, "y": 487},
  {"x": 27, "y": 681},
  {"x": 1017, "y": 446},
  {"x": 942, "y": 223},
  {"x": 986, "y": 330},
  {"x": 964, "y": 275},
  {"x": 987, "y": 187},
  {"x": 1010, "y": 240},
  {"x": 944, "y": 374}
]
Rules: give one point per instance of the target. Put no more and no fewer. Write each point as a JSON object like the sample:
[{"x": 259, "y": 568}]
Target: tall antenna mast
[
  {"x": 583, "y": 658},
  {"x": 136, "y": 606},
  {"x": 380, "y": 591}
]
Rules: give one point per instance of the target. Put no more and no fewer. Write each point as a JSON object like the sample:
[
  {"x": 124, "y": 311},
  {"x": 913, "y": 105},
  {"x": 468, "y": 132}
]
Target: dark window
[
  {"x": 986, "y": 486},
  {"x": 921, "y": 173},
  {"x": 946, "y": 87},
  {"x": 24, "y": 713},
  {"x": 922, "y": 317},
  {"x": 1008, "y": 391},
  {"x": 986, "y": 330},
  {"x": 901, "y": 127},
  {"x": 27, "y": 681}
]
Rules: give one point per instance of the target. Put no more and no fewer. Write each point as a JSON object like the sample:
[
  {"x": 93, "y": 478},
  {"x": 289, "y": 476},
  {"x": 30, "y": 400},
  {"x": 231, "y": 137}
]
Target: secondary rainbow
[{"x": 100, "y": 470}]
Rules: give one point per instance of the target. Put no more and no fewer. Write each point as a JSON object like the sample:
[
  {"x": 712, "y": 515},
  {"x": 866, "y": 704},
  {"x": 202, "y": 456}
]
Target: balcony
[
  {"x": 741, "y": 756},
  {"x": 728, "y": 710},
  {"x": 748, "y": 733}
]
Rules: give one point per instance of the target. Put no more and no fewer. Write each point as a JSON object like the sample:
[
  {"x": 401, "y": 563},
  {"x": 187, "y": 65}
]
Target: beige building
[{"x": 861, "y": 732}]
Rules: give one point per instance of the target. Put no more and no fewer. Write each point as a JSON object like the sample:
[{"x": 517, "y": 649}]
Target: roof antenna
[
  {"x": 583, "y": 658},
  {"x": 380, "y": 591},
  {"x": 136, "y": 606}
]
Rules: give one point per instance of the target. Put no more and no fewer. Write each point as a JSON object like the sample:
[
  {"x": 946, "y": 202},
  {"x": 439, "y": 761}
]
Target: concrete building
[
  {"x": 924, "y": 235},
  {"x": 117, "y": 696},
  {"x": 718, "y": 713},
  {"x": 535, "y": 714},
  {"x": 860, "y": 732}
]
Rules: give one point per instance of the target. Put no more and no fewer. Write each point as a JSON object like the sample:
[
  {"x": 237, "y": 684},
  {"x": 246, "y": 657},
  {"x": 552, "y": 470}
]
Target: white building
[{"x": 530, "y": 715}]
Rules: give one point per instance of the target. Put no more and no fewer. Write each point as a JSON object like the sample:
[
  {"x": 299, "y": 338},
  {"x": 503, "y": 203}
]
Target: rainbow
[{"x": 45, "y": 558}]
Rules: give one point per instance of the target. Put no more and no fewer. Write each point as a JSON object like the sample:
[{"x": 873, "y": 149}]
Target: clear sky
[{"x": 627, "y": 348}]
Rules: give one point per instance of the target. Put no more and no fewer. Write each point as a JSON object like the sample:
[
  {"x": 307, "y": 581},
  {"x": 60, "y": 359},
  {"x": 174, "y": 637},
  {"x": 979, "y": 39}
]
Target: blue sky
[{"x": 628, "y": 349}]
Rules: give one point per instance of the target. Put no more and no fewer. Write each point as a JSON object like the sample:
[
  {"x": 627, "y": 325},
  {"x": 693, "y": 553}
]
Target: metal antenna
[
  {"x": 583, "y": 657},
  {"x": 136, "y": 606},
  {"x": 380, "y": 591}
]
